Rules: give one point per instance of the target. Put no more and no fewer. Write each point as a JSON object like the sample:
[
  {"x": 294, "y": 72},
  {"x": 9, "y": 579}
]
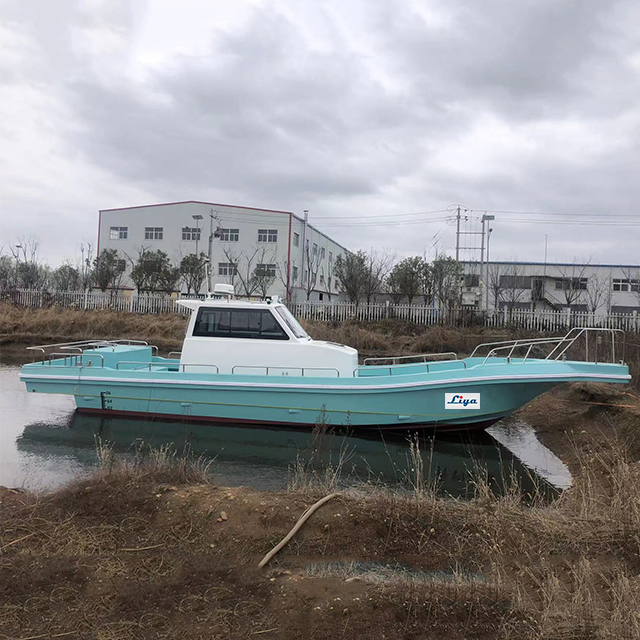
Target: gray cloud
[{"x": 360, "y": 108}]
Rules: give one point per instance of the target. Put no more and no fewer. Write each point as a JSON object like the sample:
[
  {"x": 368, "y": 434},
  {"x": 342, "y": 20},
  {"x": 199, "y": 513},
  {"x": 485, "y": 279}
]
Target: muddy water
[{"x": 44, "y": 443}]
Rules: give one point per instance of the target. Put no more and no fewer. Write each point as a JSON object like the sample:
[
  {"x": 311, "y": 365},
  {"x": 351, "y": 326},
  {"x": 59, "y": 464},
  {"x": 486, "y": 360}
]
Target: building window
[
  {"x": 624, "y": 286},
  {"x": 571, "y": 284},
  {"x": 322, "y": 280},
  {"x": 336, "y": 283},
  {"x": 294, "y": 273},
  {"x": 119, "y": 233},
  {"x": 322, "y": 253},
  {"x": 266, "y": 270},
  {"x": 227, "y": 269},
  {"x": 190, "y": 233},
  {"x": 296, "y": 239},
  {"x": 514, "y": 282},
  {"x": 153, "y": 233},
  {"x": 267, "y": 235},
  {"x": 307, "y": 245},
  {"x": 315, "y": 249},
  {"x": 471, "y": 280},
  {"x": 330, "y": 256},
  {"x": 229, "y": 235},
  {"x": 122, "y": 265}
]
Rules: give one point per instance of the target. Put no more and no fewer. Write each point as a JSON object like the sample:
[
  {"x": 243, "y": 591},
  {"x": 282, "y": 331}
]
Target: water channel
[{"x": 44, "y": 443}]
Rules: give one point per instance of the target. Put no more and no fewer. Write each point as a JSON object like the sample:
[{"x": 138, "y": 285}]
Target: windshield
[{"x": 291, "y": 322}]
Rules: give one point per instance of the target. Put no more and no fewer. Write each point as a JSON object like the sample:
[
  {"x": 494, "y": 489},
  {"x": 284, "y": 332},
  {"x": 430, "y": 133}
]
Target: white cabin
[{"x": 243, "y": 337}]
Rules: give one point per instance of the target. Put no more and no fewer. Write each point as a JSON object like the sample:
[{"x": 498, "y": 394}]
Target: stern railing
[
  {"x": 560, "y": 345},
  {"x": 81, "y": 345}
]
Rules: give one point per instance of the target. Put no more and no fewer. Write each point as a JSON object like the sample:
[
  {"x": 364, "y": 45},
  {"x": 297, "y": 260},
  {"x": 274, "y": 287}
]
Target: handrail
[
  {"x": 150, "y": 365},
  {"x": 376, "y": 367},
  {"x": 91, "y": 342},
  {"x": 76, "y": 357},
  {"x": 171, "y": 353},
  {"x": 302, "y": 369},
  {"x": 418, "y": 355},
  {"x": 83, "y": 345},
  {"x": 558, "y": 342}
]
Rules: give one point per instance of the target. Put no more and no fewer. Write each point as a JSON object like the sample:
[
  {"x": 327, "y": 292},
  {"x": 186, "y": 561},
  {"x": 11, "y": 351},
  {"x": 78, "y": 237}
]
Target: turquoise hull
[{"x": 393, "y": 397}]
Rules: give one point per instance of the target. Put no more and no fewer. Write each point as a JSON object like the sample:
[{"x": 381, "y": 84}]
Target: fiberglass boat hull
[{"x": 388, "y": 402}]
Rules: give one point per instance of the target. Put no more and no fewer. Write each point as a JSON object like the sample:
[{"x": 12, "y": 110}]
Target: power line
[
  {"x": 388, "y": 215},
  {"x": 558, "y": 213}
]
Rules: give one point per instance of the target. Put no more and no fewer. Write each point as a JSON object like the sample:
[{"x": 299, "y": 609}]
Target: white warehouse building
[
  {"x": 273, "y": 247},
  {"x": 597, "y": 288}
]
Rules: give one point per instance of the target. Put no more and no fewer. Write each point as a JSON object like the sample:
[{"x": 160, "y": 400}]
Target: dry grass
[{"x": 33, "y": 326}]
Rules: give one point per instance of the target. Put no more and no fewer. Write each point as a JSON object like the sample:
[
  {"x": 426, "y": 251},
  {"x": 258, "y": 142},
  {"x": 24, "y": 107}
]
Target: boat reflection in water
[{"x": 262, "y": 457}]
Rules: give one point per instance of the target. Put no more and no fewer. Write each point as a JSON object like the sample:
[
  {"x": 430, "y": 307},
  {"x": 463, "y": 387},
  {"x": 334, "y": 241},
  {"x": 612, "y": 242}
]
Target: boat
[{"x": 251, "y": 362}]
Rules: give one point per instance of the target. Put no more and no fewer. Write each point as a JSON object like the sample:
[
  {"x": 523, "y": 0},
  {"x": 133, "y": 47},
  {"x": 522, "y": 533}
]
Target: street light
[
  {"x": 197, "y": 217},
  {"x": 484, "y": 289}
]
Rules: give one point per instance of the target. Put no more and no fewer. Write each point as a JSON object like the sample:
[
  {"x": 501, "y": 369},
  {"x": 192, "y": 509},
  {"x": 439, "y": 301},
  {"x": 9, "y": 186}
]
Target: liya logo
[{"x": 461, "y": 400}]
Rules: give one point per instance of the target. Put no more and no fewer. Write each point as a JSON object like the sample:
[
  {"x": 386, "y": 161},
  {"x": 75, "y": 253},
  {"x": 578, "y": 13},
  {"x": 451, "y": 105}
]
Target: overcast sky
[{"x": 361, "y": 111}]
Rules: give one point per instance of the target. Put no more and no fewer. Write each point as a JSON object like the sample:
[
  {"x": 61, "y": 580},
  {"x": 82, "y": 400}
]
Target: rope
[{"x": 303, "y": 518}]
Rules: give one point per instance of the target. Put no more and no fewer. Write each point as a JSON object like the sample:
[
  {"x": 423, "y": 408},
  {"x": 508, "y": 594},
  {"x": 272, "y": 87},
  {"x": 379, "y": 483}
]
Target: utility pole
[
  {"x": 458, "y": 234},
  {"x": 304, "y": 246}
]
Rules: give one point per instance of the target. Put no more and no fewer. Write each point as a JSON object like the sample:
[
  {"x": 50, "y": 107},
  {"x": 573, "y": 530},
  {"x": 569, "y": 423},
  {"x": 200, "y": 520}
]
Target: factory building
[
  {"x": 597, "y": 288},
  {"x": 259, "y": 251}
]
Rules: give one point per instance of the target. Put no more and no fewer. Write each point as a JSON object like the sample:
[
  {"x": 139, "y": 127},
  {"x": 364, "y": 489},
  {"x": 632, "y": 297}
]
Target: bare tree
[
  {"x": 447, "y": 274},
  {"x": 494, "y": 284},
  {"x": 286, "y": 272},
  {"x": 379, "y": 265},
  {"x": 597, "y": 292},
  {"x": 574, "y": 283},
  {"x": 312, "y": 261},
  {"x": 514, "y": 287},
  {"x": 244, "y": 269},
  {"x": 30, "y": 273},
  {"x": 632, "y": 274},
  {"x": 85, "y": 265},
  {"x": 264, "y": 273}
]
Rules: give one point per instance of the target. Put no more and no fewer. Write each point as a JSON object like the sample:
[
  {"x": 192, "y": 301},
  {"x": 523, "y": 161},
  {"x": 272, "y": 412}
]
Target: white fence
[
  {"x": 341, "y": 311},
  {"x": 462, "y": 317}
]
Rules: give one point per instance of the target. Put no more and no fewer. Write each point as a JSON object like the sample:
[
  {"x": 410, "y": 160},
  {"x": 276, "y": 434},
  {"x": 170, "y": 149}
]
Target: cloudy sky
[{"x": 375, "y": 115}]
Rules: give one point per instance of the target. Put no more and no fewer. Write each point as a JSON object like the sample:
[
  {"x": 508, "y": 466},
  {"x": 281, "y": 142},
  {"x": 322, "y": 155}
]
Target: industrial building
[
  {"x": 259, "y": 251},
  {"x": 596, "y": 288}
]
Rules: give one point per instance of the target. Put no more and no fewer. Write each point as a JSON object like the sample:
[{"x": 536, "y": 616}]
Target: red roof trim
[{"x": 215, "y": 204}]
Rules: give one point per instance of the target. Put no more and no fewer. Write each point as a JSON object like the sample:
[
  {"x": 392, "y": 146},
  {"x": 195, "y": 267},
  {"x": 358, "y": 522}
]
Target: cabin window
[
  {"x": 256, "y": 324},
  {"x": 291, "y": 322}
]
